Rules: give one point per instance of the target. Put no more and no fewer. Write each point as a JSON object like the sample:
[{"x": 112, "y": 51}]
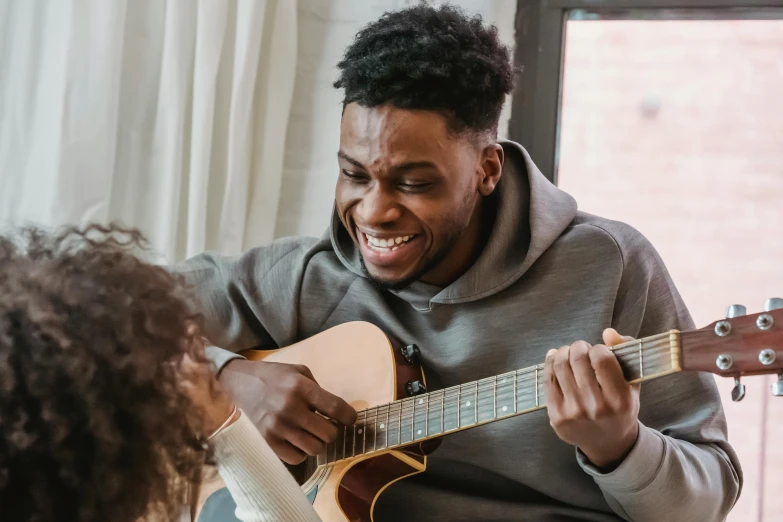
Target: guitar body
[{"x": 359, "y": 363}]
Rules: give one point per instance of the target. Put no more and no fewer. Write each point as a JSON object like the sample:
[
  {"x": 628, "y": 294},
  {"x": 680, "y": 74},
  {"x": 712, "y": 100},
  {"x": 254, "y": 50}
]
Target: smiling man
[
  {"x": 446, "y": 237},
  {"x": 411, "y": 196}
]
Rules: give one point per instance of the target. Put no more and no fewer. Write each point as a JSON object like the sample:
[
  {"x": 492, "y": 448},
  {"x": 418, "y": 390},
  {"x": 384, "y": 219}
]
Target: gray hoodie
[{"x": 548, "y": 276}]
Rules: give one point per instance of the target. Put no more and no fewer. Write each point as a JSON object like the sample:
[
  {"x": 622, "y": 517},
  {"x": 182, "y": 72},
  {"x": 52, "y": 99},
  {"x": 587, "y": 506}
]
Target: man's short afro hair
[{"x": 434, "y": 59}]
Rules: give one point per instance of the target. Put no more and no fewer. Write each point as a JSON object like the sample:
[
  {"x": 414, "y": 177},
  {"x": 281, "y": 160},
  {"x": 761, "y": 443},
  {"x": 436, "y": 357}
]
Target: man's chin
[{"x": 386, "y": 283}]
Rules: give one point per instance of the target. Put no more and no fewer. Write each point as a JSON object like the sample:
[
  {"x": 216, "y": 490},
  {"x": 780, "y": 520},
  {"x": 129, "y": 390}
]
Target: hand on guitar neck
[
  {"x": 287, "y": 405},
  {"x": 590, "y": 404}
]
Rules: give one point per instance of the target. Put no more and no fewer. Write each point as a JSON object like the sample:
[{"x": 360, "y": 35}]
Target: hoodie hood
[{"x": 531, "y": 214}]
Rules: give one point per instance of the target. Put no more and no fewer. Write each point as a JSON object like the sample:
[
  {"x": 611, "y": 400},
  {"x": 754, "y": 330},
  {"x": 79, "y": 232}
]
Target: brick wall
[{"x": 677, "y": 128}]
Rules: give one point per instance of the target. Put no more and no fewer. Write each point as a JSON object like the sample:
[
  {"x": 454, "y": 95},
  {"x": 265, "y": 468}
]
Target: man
[{"x": 444, "y": 237}]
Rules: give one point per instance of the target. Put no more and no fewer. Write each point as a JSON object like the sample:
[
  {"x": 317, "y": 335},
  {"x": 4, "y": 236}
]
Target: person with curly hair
[
  {"x": 108, "y": 407},
  {"x": 446, "y": 236}
]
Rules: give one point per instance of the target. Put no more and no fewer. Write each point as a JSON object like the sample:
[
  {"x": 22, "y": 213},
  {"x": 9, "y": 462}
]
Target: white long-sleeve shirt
[{"x": 261, "y": 486}]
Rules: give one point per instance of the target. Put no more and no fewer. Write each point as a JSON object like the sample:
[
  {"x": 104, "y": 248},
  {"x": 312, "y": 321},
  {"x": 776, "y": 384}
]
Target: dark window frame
[{"x": 540, "y": 37}]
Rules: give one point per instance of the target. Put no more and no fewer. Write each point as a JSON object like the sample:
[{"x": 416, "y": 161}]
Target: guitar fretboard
[{"x": 430, "y": 415}]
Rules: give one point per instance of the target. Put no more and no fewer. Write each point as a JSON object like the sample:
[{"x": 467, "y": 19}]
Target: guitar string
[
  {"x": 523, "y": 377},
  {"x": 523, "y": 382},
  {"x": 651, "y": 349},
  {"x": 407, "y": 405}
]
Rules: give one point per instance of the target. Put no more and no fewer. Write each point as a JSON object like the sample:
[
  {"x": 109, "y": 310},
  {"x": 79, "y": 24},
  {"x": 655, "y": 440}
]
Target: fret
[
  {"x": 393, "y": 424},
  {"x": 374, "y": 428},
  {"x": 435, "y": 413},
  {"x": 442, "y": 411},
  {"x": 406, "y": 425},
  {"x": 641, "y": 359},
  {"x": 486, "y": 401},
  {"x": 468, "y": 407},
  {"x": 427, "y": 418},
  {"x": 386, "y": 430},
  {"x": 459, "y": 406},
  {"x": 525, "y": 391},
  {"x": 494, "y": 397},
  {"x": 399, "y": 426},
  {"x": 420, "y": 414},
  {"x": 506, "y": 396},
  {"x": 322, "y": 458},
  {"x": 451, "y": 407},
  {"x": 645, "y": 358},
  {"x": 328, "y": 455},
  {"x": 338, "y": 444},
  {"x": 475, "y": 404},
  {"x": 363, "y": 432},
  {"x": 536, "y": 385},
  {"x": 353, "y": 441}
]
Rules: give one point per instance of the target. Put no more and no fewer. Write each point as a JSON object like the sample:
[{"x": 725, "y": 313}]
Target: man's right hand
[{"x": 282, "y": 401}]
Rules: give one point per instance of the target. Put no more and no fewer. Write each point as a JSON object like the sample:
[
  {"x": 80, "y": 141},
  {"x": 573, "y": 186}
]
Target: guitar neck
[{"x": 431, "y": 415}]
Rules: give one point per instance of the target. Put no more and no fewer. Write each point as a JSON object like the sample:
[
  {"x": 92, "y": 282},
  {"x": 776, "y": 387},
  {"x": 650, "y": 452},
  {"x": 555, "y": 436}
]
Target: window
[{"x": 670, "y": 118}]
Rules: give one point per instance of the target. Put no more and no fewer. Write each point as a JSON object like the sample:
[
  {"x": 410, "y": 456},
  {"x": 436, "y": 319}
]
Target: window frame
[{"x": 540, "y": 27}]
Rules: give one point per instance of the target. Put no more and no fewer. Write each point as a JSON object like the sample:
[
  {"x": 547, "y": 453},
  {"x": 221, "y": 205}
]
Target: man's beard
[{"x": 432, "y": 262}]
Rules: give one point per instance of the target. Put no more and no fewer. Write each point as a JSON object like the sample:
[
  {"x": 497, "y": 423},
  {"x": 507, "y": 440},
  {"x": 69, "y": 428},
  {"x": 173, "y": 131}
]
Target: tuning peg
[
  {"x": 773, "y": 303},
  {"x": 415, "y": 388},
  {"x": 777, "y": 386},
  {"x": 738, "y": 393},
  {"x": 411, "y": 354},
  {"x": 735, "y": 310}
]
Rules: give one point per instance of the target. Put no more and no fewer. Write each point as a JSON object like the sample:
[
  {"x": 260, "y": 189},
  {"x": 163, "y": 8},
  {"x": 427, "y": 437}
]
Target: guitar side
[{"x": 359, "y": 363}]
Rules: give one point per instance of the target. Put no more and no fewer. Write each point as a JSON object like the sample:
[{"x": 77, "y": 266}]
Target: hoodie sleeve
[
  {"x": 682, "y": 466},
  {"x": 249, "y": 300}
]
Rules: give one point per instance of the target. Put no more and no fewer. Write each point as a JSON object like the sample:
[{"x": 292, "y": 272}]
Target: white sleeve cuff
[
  {"x": 261, "y": 486},
  {"x": 220, "y": 357}
]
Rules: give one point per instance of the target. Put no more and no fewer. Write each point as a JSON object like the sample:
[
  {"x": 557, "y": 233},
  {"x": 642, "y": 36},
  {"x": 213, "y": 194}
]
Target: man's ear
[{"x": 491, "y": 168}]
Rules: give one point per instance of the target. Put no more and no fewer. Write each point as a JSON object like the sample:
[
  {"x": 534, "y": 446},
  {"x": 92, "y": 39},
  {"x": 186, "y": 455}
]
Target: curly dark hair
[
  {"x": 94, "y": 422},
  {"x": 434, "y": 59}
]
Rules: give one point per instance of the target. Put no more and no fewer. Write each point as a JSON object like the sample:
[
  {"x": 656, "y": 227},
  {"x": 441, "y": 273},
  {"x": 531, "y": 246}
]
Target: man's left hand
[{"x": 590, "y": 403}]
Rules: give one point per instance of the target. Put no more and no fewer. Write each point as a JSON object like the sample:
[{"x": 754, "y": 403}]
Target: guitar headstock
[{"x": 738, "y": 345}]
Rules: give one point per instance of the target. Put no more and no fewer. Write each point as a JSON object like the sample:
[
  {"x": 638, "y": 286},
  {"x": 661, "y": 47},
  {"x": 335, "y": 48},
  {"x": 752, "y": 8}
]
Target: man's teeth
[{"x": 387, "y": 244}]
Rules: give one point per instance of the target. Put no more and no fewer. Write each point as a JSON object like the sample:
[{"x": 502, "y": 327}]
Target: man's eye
[
  {"x": 355, "y": 177},
  {"x": 415, "y": 187}
]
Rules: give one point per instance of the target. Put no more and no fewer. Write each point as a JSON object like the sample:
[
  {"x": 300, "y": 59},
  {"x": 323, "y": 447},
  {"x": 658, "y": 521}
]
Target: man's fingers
[
  {"x": 286, "y": 451},
  {"x": 564, "y": 374},
  {"x": 612, "y": 338},
  {"x": 608, "y": 371},
  {"x": 304, "y": 370},
  {"x": 322, "y": 428},
  {"x": 554, "y": 395},
  {"x": 330, "y": 405},
  {"x": 584, "y": 375},
  {"x": 303, "y": 441}
]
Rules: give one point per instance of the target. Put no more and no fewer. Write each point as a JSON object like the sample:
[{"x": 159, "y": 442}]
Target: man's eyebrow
[
  {"x": 405, "y": 167},
  {"x": 346, "y": 157},
  {"x": 401, "y": 168}
]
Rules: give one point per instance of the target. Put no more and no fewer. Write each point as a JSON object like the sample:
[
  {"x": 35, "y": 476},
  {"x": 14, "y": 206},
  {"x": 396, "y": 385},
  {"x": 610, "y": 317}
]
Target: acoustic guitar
[{"x": 399, "y": 422}]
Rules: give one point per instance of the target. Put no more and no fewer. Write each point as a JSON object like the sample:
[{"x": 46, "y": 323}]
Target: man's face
[{"x": 407, "y": 191}]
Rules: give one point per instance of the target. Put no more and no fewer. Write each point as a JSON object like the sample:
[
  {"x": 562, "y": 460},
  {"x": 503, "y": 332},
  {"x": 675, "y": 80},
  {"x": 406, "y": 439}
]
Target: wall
[
  {"x": 326, "y": 28},
  {"x": 676, "y": 127}
]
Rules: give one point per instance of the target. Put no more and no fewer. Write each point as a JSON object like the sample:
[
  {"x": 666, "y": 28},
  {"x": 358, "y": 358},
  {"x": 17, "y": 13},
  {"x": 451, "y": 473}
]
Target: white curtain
[{"x": 167, "y": 115}]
